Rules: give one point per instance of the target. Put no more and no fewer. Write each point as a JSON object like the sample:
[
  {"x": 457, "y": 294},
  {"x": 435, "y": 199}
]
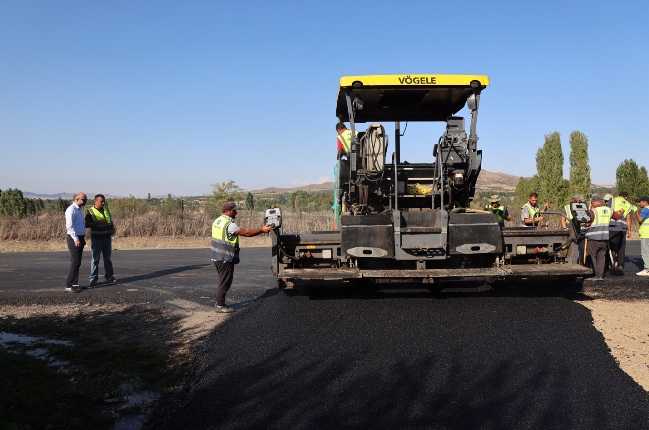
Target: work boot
[{"x": 224, "y": 309}]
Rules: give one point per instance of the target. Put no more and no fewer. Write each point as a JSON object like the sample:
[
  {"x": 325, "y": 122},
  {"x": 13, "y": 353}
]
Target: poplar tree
[
  {"x": 579, "y": 167},
  {"x": 250, "y": 201},
  {"x": 549, "y": 166}
]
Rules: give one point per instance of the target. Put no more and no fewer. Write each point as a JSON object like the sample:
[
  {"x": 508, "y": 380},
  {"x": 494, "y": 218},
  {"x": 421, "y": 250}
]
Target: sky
[{"x": 130, "y": 98}]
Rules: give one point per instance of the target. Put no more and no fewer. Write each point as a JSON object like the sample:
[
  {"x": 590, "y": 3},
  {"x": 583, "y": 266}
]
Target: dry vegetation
[{"x": 151, "y": 230}]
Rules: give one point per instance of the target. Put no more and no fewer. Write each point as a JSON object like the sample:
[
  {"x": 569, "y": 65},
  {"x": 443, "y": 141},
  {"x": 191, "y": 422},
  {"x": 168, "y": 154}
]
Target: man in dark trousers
[
  {"x": 76, "y": 229},
  {"x": 225, "y": 250},
  {"x": 102, "y": 229}
]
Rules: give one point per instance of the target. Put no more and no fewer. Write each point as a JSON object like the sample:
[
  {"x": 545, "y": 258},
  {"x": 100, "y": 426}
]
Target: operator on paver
[
  {"x": 531, "y": 213},
  {"x": 566, "y": 216},
  {"x": 225, "y": 250},
  {"x": 597, "y": 236},
  {"x": 344, "y": 139},
  {"x": 619, "y": 229},
  {"x": 642, "y": 216},
  {"x": 499, "y": 210}
]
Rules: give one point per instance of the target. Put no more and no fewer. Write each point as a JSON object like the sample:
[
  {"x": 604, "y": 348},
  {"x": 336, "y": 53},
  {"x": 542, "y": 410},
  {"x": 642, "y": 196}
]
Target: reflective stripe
[{"x": 598, "y": 230}]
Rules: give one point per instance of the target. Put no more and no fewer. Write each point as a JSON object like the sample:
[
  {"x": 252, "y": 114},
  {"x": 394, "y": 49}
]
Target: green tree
[
  {"x": 12, "y": 203},
  {"x": 631, "y": 178},
  {"x": 250, "y": 201},
  {"x": 524, "y": 188},
  {"x": 549, "y": 167},
  {"x": 579, "y": 167},
  {"x": 224, "y": 192}
]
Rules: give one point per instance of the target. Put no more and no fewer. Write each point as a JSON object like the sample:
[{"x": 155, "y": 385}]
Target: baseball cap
[
  {"x": 579, "y": 197},
  {"x": 495, "y": 198},
  {"x": 608, "y": 197},
  {"x": 229, "y": 206},
  {"x": 596, "y": 198},
  {"x": 642, "y": 198}
]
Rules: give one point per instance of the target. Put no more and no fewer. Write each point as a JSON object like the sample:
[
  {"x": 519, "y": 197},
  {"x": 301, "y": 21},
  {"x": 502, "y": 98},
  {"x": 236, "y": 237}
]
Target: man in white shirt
[{"x": 76, "y": 229}]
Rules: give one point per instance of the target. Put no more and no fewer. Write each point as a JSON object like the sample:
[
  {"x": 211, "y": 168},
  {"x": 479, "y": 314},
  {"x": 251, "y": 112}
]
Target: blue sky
[{"x": 169, "y": 97}]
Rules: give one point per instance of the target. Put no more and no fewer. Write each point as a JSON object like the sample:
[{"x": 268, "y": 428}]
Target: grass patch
[{"x": 111, "y": 355}]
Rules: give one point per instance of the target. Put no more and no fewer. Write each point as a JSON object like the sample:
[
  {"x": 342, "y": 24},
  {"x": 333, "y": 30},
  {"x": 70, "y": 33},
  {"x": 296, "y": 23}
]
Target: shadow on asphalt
[
  {"x": 159, "y": 273},
  {"x": 572, "y": 291}
]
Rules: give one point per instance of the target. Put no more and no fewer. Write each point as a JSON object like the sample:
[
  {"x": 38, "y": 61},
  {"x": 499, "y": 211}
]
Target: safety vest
[
  {"x": 620, "y": 204},
  {"x": 644, "y": 229},
  {"x": 499, "y": 212},
  {"x": 101, "y": 231},
  {"x": 568, "y": 211},
  {"x": 346, "y": 140},
  {"x": 534, "y": 212},
  {"x": 598, "y": 230},
  {"x": 224, "y": 248}
]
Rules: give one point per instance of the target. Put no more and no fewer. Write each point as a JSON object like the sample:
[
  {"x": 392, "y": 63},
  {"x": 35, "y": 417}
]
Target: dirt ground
[
  {"x": 127, "y": 243},
  {"x": 625, "y": 326}
]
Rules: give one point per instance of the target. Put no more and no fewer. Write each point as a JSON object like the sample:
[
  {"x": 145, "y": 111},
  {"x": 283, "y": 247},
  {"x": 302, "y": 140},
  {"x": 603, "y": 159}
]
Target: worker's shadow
[{"x": 153, "y": 275}]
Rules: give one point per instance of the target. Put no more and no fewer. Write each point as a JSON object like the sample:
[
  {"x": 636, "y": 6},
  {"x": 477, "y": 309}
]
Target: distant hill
[
  {"x": 325, "y": 186},
  {"x": 486, "y": 181}
]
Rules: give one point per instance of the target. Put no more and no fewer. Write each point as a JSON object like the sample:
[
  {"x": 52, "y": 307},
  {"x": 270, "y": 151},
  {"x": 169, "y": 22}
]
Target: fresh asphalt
[{"x": 408, "y": 357}]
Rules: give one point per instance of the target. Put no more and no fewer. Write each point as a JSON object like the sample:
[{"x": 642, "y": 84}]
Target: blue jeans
[{"x": 97, "y": 248}]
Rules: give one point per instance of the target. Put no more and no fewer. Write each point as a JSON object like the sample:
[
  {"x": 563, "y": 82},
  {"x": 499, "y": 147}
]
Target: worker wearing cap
[
  {"x": 531, "y": 213},
  {"x": 225, "y": 250},
  {"x": 597, "y": 235},
  {"x": 619, "y": 230},
  {"x": 566, "y": 216},
  {"x": 499, "y": 210},
  {"x": 642, "y": 215}
]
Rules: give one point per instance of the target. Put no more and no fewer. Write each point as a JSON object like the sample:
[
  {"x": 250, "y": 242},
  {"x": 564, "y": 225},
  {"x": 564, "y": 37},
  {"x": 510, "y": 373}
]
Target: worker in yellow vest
[
  {"x": 566, "y": 216},
  {"x": 597, "y": 235},
  {"x": 531, "y": 213},
  {"x": 499, "y": 210},
  {"x": 619, "y": 230},
  {"x": 642, "y": 216},
  {"x": 225, "y": 250},
  {"x": 102, "y": 229},
  {"x": 344, "y": 139}
]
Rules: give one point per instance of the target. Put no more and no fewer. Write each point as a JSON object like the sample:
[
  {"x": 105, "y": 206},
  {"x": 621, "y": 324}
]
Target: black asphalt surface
[
  {"x": 467, "y": 357},
  {"x": 145, "y": 276}
]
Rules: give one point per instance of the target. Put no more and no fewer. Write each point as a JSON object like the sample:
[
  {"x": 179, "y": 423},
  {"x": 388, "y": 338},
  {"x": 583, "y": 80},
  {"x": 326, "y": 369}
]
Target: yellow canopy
[{"x": 388, "y": 98}]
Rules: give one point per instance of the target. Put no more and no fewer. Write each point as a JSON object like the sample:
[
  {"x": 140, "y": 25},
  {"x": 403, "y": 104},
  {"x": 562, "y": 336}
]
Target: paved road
[
  {"x": 401, "y": 358},
  {"x": 152, "y": 276}
]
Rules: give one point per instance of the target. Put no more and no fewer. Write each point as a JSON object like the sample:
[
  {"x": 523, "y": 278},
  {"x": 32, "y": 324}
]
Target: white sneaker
[{"x": 644, "y": 272}]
